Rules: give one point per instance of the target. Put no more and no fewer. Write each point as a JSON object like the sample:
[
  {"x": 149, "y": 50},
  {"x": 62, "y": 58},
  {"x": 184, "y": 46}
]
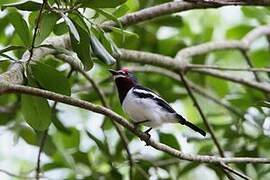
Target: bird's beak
[{"x": 113, "y": 72}]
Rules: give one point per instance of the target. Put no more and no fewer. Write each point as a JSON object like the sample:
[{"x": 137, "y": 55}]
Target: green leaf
[
  {"x": 189, "y": 167},
  {"x": 82, "y": 48},
  {"x": 36, "y": 112},
  {"x": 71, "y": 140},
  {"x": 125, "y": 32},
  {"x": 257, "y": 13},
  {"x": 60, "y": 29},
  {"x": 51, "y": 79},
  {"x": 28, "y": 135},
  {"x": 71, "y": 27},
  {"x": 121, "y": 10},
  {"x": 47, "y": 24},
  {"x": 170, "y": 20},
  {"x": 263, "y": 104},
  {"x": 24, "y": 6},
  {"x": 108, "y": 15},
  {"x": 238, "y": 32},
  {"x": 99, "y": 143},
  {"x": 100, "y": 51},
  {"x": 11, "y": 48},
  {"x": 100, "y": 3},
  {"x": 259, "y": 56},
  {"x": 169, "y": 139},
  {"x": 58, "y": 124},
  {"x": 21, "y": 27}
]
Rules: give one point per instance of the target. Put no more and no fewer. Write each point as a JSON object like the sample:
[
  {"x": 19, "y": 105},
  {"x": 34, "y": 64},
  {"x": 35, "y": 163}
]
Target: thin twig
[
  {"x": 206, "y": 123},
  {"x": 248, "y": 60},
  {"x": 196, "y": 104},
  {"x": 225, "y": 166},
  {"x": 36, "y": 30},
  {"x": 41, "y": 146},
  {"x": 203, "y": 66},
  {"x": 15, "y": 175}
]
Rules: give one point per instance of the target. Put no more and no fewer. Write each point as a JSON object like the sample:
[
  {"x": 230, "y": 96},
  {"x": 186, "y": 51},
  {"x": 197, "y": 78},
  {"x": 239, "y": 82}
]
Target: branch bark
[
  {"x": 176, "y": 6},
  {"x": 12, "y": 88}
]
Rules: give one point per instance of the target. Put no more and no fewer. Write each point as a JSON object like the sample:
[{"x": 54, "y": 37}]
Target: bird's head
[
  {"x": 123, "y": 75},
  {"x": 124, "y": 80}
]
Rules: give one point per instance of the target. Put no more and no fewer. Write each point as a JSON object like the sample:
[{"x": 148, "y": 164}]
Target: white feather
[{"x": 141, "y": 109}]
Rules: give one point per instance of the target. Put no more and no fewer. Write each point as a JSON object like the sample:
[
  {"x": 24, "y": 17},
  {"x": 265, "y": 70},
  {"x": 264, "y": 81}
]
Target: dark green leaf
[
  {"x": 169, "y": 139},
  {"x": 82, "y": 48},
  {"x": 101, "y": 4},
  {"x": 11, "y": 48},
  {"x": 25, "y": 6},
  {"x": 263, "y": 104},
  {"x": 71, "y": 27},
  {"x": 36, "y": 112},
  {"x": 173, "y": 21},
  {"x": 21, "y": 27},
  {"x": 189, "y": 167},
  {"x": 60, "y": 29},
  {"x": 51, "y": 79},
  {"x": 47, "y": 24},
  {"x": 100, "y": 51},
  {"x": 108, "y": 15},
  {"x": 125, "y": 32},
  {"x": 81, "y": 157},
  {"x": 99, "y": 143},
  {"x": 28, "y": 135}
]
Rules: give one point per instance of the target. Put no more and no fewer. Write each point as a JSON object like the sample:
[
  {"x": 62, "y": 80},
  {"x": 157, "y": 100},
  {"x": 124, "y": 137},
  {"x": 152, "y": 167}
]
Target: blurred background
[{"x": 71, "y": 153}]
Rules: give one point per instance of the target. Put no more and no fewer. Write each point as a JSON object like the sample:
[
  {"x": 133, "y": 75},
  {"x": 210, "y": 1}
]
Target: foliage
[{"x": 104, "y": 156}]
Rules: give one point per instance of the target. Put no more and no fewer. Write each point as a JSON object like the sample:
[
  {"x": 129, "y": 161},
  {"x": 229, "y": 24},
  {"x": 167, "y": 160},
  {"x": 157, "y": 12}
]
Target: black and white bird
[{"x": 144, "y": 106}]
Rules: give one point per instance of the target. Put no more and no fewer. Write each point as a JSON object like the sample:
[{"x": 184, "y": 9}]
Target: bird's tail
[{"x": 190, "y": 125}]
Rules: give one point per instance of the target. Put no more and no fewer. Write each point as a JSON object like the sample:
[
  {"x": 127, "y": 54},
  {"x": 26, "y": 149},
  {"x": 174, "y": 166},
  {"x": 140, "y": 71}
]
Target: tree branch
[
  {"x": 42, "y": 144},
  {"x": 12, "y": 88},
  {"x": 203, "y": 66},
  {"x": 173, "y": 7},
  {"x": 15, "y": 175},
  {"x": 253, "y": 84},
  {"x": 204, "y": 48}
]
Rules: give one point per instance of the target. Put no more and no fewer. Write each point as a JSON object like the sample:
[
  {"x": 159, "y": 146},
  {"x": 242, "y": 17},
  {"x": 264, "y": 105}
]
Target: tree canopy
[{"x": 209, "y": 59}]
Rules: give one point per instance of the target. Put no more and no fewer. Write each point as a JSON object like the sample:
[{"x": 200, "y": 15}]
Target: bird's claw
[{"x": 147, "y": 140}]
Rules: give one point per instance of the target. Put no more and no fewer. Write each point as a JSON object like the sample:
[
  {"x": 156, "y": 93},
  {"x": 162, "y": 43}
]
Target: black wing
[{"x": 143, "y": 92}]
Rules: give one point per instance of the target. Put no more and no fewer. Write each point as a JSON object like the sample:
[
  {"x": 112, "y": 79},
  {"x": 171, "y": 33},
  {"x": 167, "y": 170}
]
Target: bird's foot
[
  {"x": 136, "y": 124},
  {"x": 147, "y": 140}
]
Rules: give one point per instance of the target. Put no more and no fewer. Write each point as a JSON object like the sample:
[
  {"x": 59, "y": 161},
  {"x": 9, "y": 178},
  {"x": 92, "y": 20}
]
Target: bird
[{"x": 144, "y": 106}]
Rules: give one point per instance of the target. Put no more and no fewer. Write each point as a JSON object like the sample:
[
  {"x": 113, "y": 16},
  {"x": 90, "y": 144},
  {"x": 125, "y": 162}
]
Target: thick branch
[
  {"x": 260, "y": 86},
  {"x": 173, "y": 7},
  {"x": 6, "y": 88},
  {"x": 204, "y": 48}
]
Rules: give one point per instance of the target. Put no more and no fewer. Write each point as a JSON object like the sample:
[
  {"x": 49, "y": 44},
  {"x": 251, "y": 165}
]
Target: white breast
[{"x": 141, "y": 109}]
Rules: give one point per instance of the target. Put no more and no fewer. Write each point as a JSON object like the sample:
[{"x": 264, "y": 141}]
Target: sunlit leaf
[{"x": 36, "y": 112}]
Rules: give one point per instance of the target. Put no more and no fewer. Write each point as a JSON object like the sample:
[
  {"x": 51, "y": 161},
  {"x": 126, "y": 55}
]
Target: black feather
[
  {"x": 150, "y": 95},
  {"x": 190, "y": 125}
]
